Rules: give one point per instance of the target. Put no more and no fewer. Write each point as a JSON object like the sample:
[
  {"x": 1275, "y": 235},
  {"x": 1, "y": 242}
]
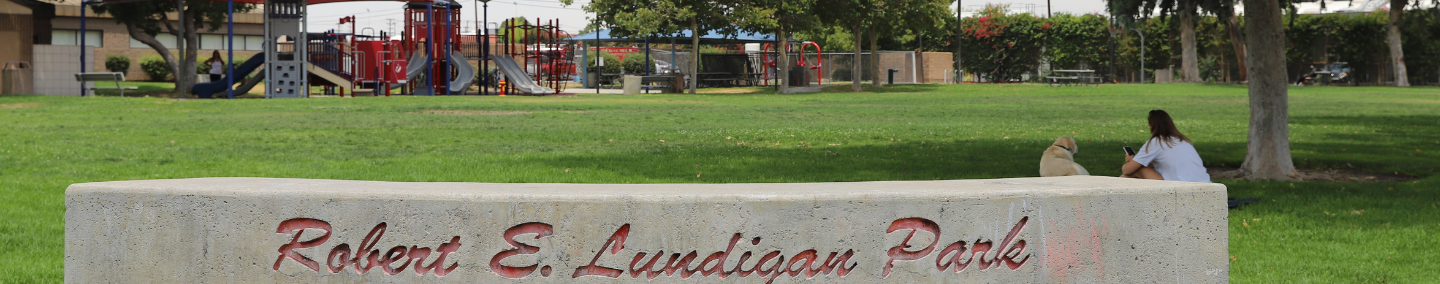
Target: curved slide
[
  {"x": 517, "y": 77},
  {"x": 208, "y": 90},
  {"x": 416, "y": 66},
  {"x": 464, "y": 75}
]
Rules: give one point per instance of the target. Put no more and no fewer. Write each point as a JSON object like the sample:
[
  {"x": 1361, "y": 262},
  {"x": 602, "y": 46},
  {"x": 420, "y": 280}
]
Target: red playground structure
[
  {"x": 431, "y": 41},
  {"x": 548, "y": 62}
]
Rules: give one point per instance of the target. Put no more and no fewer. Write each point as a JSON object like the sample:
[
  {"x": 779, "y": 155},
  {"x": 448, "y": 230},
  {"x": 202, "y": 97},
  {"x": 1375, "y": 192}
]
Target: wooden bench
[{"x": 116, "y": 77}]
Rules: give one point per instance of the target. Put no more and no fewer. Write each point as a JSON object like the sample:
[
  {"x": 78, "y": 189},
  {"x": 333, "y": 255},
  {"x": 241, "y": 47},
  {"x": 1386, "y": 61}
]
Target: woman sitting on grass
[{"x": 1167, "y": 156}]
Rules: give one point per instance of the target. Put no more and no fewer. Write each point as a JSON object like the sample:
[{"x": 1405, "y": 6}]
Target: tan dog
[{"x": 1059, "y": 159}]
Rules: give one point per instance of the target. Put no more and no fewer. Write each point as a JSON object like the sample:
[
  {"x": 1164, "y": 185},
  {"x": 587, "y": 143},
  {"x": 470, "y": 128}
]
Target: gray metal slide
[
  {"x": 465, "y": 74},
  {"x": 251, "y": 82},
  {"x": 516, "y": 76},
  {"x": 418, "y": 64}
]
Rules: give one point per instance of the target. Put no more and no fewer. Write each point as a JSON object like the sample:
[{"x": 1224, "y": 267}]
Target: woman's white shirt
[
  {"x": 216, "y": 67},
  {"x": 1177, "y": 160}
]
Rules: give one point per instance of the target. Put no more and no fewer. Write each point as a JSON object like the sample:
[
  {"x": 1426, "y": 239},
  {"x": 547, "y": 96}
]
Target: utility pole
[
  {"x": 391, "y": 23},
  {"x": 1047, "y": 9}
]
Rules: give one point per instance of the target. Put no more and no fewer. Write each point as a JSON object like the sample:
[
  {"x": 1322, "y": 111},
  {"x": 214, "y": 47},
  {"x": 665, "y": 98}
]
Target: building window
[
  {"x": 167, "y": 40},
  {"x": 254, "y": 42},
  {"x": 242, "y": 42},
  {"x": 71, "y": 37}
]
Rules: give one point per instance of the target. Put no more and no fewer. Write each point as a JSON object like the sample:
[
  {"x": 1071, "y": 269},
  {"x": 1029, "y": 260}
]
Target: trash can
[
  {"x": 17, "y": 78},
  {"x": 632, "y": 85},
  {"x": 891, "y": 79}
]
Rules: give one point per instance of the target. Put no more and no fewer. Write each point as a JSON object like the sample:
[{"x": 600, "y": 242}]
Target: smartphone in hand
[{"x": 1129, "y": 151}]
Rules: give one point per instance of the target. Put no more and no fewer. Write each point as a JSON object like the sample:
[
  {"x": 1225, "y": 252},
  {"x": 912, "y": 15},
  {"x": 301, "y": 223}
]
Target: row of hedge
[{"x": 1003, "y": 46}]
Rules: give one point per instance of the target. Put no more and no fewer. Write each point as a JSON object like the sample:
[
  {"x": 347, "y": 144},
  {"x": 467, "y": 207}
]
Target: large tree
[
  {"x": 1186, "y": 10},
  {"x": 846, "y": 14},
  {"x": 1392, "y": 37},
  {"x": 144, "y": 20},
  {"x": 1267, "y": 154}
]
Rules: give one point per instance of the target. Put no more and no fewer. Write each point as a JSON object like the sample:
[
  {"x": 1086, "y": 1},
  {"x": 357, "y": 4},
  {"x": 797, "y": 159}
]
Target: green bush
[
  {"x": 635, "y": 63},
  {"x": 155, "y": 67},
  {"x": 117, "y": 63},
  {"x": 612, "y": 62}
]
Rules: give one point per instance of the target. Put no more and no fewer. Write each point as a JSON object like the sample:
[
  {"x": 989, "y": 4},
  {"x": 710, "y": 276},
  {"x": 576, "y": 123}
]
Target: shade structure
[{"x": 709, "y": 37}]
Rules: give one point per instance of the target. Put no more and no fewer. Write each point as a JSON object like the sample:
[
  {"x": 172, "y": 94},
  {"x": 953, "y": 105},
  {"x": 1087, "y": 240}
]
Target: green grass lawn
[{"x": 1301, "y": 232}]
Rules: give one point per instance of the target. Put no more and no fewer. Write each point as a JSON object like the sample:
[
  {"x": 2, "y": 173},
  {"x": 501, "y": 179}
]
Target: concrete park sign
[{"x": 1030, "y": 230}]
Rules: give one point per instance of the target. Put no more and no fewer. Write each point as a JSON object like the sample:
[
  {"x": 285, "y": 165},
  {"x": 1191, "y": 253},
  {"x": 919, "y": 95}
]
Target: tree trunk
[
  {"x": 185, "y": 75},
  {"x": 694, "y": 55},
  {"x": 855, "y": 72},
  {"x": 959, "y": 39},
  {"x": 1189, "y": 61},
  {"x": 159, "y": 48},
  {"x": 874, "y": 57},
  {"x": 782, "y": 51},
  {"x": 1267, "y": 153},
  {"x": 1397, "y": 54},
  {"x": 1232, "y": 24}
]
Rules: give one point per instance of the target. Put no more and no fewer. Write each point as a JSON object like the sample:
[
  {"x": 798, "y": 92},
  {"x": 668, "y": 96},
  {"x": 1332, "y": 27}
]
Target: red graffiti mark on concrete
[
  {"x": 714, "y": 265},
  {"x": 1006, "y": 253},
  {"x": 341, "y": 256},
  {"x": 1079, "y": 247},
  {"x": 540, "y": 230}
]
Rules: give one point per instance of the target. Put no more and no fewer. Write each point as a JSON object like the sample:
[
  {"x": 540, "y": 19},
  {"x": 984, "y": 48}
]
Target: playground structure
[
  {"x": 432, "y": 42},
  {"x": 801, "y": 62},
  {"x": 546, "y": 61},
  {"x": 293, "y": 60}
]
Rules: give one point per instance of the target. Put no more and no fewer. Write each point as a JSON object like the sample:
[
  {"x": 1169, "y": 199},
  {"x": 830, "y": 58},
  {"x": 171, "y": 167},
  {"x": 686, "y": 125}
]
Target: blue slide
[{"x": 208, "y": 90}]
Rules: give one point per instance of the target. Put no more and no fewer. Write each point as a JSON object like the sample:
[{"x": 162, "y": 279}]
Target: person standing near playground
[
  {"x": 1168, "y": 155},
  {"x": 217, "y": 66}
]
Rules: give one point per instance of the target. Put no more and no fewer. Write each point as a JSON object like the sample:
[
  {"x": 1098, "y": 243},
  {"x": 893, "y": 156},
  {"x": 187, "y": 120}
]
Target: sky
[{"x": 379, "y": 14}]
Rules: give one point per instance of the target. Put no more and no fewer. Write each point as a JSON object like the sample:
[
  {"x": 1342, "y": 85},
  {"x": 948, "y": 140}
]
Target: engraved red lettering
[
  {"x": 809, "y": 257},
  {"x": 365, "y": 249},
  {"x": 616, "y": 242},
  {"x": 1014, "y": 250},
  {"x": 445, "y": 249},
  {"x": 899, "y": 252},
  {"x": 978, "y": 252},
  {"x": 671, "y": 266},
  {"x": 341, "y": 253},
  {"x": 635, "y": 271},
  {"x": 417, "y": 255},
  {"x": 296, "y": 227},
  {"x": 738, "y": 264},
  {"x": 958, "y": 248},
  {"x": 774, "y": 270},
  {"x": 540, "y": 230},
  {"x": 719, "y": 259},
  {"x": 394, "y": 254}
]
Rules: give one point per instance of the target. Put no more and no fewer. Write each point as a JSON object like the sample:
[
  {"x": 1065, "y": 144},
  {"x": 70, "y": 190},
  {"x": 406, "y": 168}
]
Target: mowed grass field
[{"x": 1300, "y": 232}]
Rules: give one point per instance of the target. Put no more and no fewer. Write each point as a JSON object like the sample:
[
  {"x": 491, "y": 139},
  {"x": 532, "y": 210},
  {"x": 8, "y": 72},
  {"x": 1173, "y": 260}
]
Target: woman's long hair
[{"x": 1161, "y": 126}]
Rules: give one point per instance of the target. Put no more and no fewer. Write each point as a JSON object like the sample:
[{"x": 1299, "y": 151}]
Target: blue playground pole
[
  {"x": 230, "y": 49},
  {"x": 82, "y": 46}
]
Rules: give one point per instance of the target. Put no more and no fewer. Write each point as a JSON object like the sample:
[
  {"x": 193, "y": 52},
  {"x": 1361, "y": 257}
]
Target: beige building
[
  {"x": 111, "y": 39},
  {"x": 23, "y": 23}
]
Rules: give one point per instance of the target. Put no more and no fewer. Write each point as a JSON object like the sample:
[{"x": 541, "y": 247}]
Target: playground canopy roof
[{"x": 709, "y": 37}]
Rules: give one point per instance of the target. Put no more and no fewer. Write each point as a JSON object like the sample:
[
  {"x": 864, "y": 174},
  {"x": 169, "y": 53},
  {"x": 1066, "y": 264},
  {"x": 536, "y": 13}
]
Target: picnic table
[{"x": 1073, "y": 78}]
